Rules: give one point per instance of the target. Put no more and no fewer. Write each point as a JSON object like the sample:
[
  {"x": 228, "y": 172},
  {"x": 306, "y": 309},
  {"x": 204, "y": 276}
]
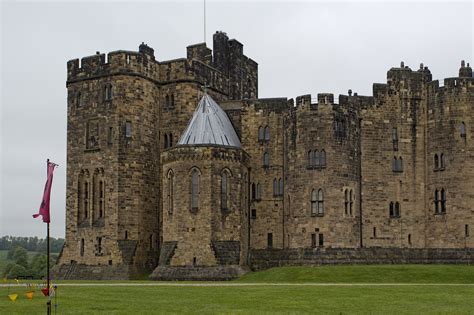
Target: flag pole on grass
[{"x": 45, "y": 213}]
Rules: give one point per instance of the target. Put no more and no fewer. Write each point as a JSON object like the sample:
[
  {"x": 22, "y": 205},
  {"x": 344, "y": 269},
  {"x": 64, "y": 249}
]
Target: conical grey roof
[{"x": 209, "y": 125}]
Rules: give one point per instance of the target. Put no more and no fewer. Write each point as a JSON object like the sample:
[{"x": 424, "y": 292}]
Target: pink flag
[{"x": 44, "y": 208}]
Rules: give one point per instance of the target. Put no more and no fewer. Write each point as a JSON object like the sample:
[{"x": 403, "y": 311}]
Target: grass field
[{"x": 427, "y": 290}]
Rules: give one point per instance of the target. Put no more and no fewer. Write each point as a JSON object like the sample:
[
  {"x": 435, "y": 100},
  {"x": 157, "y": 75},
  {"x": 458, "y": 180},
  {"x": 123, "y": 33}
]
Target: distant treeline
[{"x": 33, "y": 244}]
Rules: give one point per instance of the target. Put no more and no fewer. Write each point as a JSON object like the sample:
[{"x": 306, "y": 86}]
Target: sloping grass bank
[{"x": 365, "y": 274}]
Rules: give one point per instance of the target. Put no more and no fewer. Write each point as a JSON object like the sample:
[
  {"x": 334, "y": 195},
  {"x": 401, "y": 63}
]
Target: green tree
[
  {"x": 20, "y": 256},
  {"x": 15, "y": 271},
  {"x": 38, "y": 266}
]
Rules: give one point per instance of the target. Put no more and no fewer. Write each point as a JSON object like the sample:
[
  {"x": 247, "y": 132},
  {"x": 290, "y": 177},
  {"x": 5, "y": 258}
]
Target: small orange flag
[
  {"x": 13, "y": 297},
  {"x": 29, "y": 295}
]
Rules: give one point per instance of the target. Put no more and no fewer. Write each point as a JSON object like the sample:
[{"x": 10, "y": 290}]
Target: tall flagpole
[
  {"x": 48, "y": 303},
  {"x": 204, "y": 21}
]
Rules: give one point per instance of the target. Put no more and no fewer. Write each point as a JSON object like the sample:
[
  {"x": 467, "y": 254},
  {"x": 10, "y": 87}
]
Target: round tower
[{"x": 205, "y": 201}]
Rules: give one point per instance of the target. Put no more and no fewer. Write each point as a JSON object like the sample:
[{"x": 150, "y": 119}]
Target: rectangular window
[
  {"x": 313, "y": 240},
  {"x": 321, "y": 240},
  {"x": 466, "y": 230},
  {"x": 270, "y": 240},
  {"x": 109, "y": 136},
  {"x": 82, "y": 247},
  {"x": 254, "y": 214},
  {"x": 99, "y": 245},
  {"x": 128, "y": 130}
]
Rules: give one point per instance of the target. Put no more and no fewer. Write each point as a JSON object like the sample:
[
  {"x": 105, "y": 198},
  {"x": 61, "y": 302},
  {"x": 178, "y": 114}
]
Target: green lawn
[
  {"x": 258, "y": 297},
  {"x": 366, "y": 274}
]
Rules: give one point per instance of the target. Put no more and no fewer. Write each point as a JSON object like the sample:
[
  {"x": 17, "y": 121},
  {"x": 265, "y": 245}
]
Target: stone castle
[{"x": 177, "y": 168}]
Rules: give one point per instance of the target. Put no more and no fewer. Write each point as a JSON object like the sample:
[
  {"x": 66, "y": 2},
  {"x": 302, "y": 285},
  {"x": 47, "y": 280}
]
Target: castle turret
[{"x": 205, "y": 212}]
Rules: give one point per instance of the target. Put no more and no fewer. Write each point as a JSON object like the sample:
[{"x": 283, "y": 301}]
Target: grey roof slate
[{"x": 209, "y": 125}]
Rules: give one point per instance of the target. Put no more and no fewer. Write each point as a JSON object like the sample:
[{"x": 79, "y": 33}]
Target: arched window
[
  {"x": 254, "y": 191},
  {"x": 260, "y": 134},
  {"x": 170, "y": 191},
  {"x": 436, "y": 161},
  {"x": 224, "y": 191},
  {"x": 280, "y": 185},
  {"x": 463, "y": 129},
  {"x": 86, "y": 200},
  {"x": 394, "y": 164},
  {"x": 259, "y": 192},
  {"x": 320, "y": 202},
  {"x": 322, "y": 158},
  {"x": 397, "y": 209},
  {"x": 443, "y": 201},
  {"x": 101, "y": 199},
  {"x": 266, "y": 159},
  {"x": 267, "y": 133},
  {"x": 275, "y": 187},
  {"x": 314, "y": 202},
  {"x": 316, "y": 159},
  {"x": 194, "y": 190},
  {"x": 82, "y": 247},
  {"x": 108, "y": 92},
  {"x": 436, "y": 201},
  {"x": 441, "y": 161},
  {"x": 351, "y": 201},
  {"x": 79, "y": 99},
  {"x": 391, "y": 209},
  {"x": 400, "y": 165},
  {"x": 166, "y": 140},
  {"x": 346, "y": 202},
  {"x": 170, "y": 138},
  {"x": 310, "y": 158}
]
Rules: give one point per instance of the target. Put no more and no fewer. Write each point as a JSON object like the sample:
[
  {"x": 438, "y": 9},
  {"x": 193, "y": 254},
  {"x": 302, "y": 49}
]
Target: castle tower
[{"x": 205, "y": 208}]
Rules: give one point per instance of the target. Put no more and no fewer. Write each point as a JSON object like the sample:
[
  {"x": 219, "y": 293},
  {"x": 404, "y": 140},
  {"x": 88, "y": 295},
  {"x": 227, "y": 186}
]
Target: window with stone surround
[
  {"x": 108, "y": 92},
  {"x": 442, "y": 162},
  {"x": 443, "y": 201},
  {"x": 317, "y": 202},
  {"x": 321, "y": 240},
  {"x": 436, "y": 162},
  {"x": 270, "y": 240},
  {"x": 346, "y": 202},
  {"x": 82, "y": 247},
  {"x": 397, "y": 164},
  {"x": 98, "y": 246},
  {"x": 253, "y": 214},
  {"x": 266, "y": 160},
  {"x": 260, "y": 134},
  {"x": 128, "y": 130},
  {"x": 436, "y": 201},
  {"x": 225, "y": 190},
  {"x": 280, "y": 185},
  {"x": 267, "y": 134},
  {"x": 110, "y": 136},
  {"x": 259, "y": 192},
  {"x": 463, "y": 130},
  {"x": 166, "y": 144},
  {"x": 313, "y": 240},
  {"x": 254, "y": 191},
  {"x": 466, "y": 230},
  {"x": 170, "y": 191},
  {"x": 351, "y": 202},
  {"x": 79, "y": 99},
  {"x": 195, "y": 190}
]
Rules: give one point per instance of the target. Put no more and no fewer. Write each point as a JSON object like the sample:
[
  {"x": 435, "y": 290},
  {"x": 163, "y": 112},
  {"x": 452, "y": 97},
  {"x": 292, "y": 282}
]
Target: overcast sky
[{"x": 306, "y": 47}]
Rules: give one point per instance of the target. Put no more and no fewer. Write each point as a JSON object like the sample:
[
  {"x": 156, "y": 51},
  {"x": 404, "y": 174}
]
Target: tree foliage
[{"x": 32, "y": 244}]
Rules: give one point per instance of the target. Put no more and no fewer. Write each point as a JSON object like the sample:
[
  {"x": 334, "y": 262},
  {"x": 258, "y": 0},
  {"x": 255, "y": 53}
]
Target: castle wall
[
  {"x": 127, "y": 111},
  {"x": 323, "y": 196},
  {"x": 448, "y": 108}
]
